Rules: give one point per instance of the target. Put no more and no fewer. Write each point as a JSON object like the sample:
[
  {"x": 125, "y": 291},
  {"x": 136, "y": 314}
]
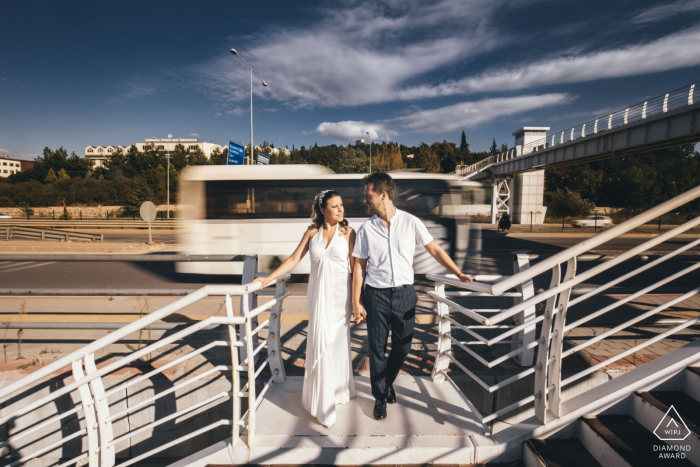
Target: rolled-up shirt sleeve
[
  {"x": 423, "y": 237},
  {"x": 361, "y": 249}
]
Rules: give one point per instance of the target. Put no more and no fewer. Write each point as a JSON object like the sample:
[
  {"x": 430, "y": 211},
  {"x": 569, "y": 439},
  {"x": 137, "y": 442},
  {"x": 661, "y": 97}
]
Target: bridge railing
[
  {"x": 39, "y": 425},
  {"x": 552, "y": 305},
  {"x": 687, "y": 95}
]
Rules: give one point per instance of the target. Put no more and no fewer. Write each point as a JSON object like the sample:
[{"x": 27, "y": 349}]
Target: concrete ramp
[{"x": 429, "y": 424}]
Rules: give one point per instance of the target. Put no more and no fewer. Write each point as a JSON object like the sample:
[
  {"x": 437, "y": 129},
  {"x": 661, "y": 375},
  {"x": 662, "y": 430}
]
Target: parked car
[
  {"x": 592, "y": 221},
  {"x": 4, "y": 216}
]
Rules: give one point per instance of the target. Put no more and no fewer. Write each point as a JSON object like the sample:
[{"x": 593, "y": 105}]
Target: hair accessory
[{"x": 320, "y": 197}]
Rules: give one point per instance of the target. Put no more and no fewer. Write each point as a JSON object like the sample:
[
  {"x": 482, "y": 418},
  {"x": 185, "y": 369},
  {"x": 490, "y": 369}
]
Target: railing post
[
  {"x": 107, "y": 452},
  {"x": 250, "y": 270},
  {"x": 543, "y": 350},
  {"x": 444, "y": 344},
  {"x": 521, "y": 262},
  {"x": 274, "y": 346},
  {"x": 236, "y": 375},
  {"x": 89, "y": 411},
  {"x": 558, "y": 340},
  {"x": 251, "y": 370}
]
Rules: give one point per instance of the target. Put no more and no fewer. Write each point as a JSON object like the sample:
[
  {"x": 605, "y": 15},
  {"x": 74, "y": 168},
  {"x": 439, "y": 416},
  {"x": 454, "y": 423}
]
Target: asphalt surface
[{"x": 495, "y": 259}]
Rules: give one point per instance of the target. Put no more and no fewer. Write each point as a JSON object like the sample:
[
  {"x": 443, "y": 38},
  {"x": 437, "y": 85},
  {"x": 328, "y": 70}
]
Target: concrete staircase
[{"x": 623, "y": 435}]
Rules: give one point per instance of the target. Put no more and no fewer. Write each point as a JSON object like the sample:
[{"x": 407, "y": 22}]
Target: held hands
[
  {"x": 465, "y": 278},
  {"x": 359, "y": 313}
]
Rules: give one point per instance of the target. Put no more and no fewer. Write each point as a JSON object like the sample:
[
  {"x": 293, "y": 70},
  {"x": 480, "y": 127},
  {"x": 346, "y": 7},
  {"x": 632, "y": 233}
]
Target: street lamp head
[
  {"x": 264, "y": 83},
  {"x": 233, "y": 51}
]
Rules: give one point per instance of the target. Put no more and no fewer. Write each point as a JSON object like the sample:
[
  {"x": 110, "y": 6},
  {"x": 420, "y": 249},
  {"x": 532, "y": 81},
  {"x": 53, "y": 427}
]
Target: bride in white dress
[{"x": 328, "y": 369}]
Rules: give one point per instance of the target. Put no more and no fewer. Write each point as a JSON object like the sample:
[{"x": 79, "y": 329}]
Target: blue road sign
[
  {"x": 235, "y": 154},
  {"x": 263, "y": 159}
]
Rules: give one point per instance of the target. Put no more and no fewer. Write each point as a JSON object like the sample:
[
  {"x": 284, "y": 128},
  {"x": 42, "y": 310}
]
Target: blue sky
[{"x": 76, "y": 73}]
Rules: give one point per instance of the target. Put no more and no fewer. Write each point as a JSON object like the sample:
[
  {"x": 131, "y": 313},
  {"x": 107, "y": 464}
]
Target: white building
[
  {"x": 98, "y": 154},
  {"x": 9, "y": 166}
]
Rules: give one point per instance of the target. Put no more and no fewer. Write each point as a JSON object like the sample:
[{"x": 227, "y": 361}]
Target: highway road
[{"x": 495, "y": 259}]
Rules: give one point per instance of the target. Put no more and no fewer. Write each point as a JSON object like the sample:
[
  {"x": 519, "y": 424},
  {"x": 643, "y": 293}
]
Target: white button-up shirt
[{"x": 389, "y": 251}]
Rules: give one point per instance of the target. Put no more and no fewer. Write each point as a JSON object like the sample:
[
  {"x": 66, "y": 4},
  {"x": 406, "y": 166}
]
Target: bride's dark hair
[{"x": 321, "y": 201}]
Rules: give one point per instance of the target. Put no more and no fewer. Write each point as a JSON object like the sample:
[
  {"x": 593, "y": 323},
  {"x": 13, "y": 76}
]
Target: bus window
[{"x": 245, "y": 199}]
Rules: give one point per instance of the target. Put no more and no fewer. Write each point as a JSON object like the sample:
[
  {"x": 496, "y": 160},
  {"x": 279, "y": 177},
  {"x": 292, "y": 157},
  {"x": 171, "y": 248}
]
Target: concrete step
[
  {"x": 650, "y": 408},
  {"x": 557, "y": 453},
  {"x": 619, "y": 440}
]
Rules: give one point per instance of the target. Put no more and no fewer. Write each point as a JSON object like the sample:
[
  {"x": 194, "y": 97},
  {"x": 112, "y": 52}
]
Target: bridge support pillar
[
  {"x": 501, "y": 198},
  {"x": 527, "y": 198}
]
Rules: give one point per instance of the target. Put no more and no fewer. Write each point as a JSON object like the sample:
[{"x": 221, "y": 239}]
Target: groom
[{"x": 384, "y": 249}]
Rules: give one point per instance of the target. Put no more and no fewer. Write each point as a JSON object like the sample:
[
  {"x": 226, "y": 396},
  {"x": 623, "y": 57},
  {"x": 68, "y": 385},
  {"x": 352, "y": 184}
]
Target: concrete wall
[{"x": 88, "y": 211}]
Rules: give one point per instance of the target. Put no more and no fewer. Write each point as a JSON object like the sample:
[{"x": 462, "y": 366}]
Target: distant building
[
  {"x": 9, "y": 166},
  {"x": 267, "y": 150},
  {"x": 98, "y": 154},
  {"x": 360, "y": 141}
]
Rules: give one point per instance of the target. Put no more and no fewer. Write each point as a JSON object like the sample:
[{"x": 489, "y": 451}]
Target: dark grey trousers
[{"x": 388, "y": 309}]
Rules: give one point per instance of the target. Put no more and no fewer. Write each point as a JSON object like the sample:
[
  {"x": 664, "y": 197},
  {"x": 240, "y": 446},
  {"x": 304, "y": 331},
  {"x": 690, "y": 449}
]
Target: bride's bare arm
[
  {"x": 290, "y": 262},
  {"x": 350, "y": 237}
]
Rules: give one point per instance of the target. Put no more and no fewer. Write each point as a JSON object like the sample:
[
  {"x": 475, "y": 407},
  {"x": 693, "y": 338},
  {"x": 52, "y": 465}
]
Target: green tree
[
  {"x": 494, "y": 148},
  {"x": 218, "y": 157},
  {"x": 388, "y": 159},
  {"x": 463, "y": 145},
  {"x": 566, "y": 203},
  {"x": 137, "y": 195},
  {"x": 427, "y": 159},
  {"x": 197, "y": 157},
  {"x": 62, "y": 175},
  {"x": 51, "y": 177},
  {"x": 66, "y": 215}
]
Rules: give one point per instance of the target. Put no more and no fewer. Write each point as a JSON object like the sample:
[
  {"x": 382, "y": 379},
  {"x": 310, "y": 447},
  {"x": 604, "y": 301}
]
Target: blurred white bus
[{"x": 265, "y": 210}]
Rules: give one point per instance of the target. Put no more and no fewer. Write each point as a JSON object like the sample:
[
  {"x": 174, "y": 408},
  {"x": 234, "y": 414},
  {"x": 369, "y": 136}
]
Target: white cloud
[
  {"x": 237, "y": 111},
  {"x": 135, "y": 90},
  {"x": 473, "y": 114},
  {"x": 351, "y": 131},
  {"x": 270, "y": 109},
  {"x": 666, "y": 11},
  {"x": 675, "y": 51},
  {"x": 195, "y": 135},
  {"x": 5, "y": 152},
  {"x": 218, "y": 114},
  {"x": 362, "y": 54}
]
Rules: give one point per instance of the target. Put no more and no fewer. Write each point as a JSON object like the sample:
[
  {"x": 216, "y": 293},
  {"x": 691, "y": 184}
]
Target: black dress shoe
[
  {"x": 391, "y": 396},
  {"x": 379, "y": 409}
]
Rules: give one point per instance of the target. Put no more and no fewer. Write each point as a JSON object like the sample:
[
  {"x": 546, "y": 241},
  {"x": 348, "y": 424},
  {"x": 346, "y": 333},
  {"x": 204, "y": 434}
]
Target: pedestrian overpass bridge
[
  {"x": 99, "y": 411},
  {"x": 664, "y": 121}
]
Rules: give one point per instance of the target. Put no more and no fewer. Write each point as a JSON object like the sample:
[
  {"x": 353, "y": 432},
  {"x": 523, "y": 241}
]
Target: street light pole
[
  {"x": 370, "y": 152},
  {"x": 234, "y": 52},
  {"x": 167, "y": 156}
]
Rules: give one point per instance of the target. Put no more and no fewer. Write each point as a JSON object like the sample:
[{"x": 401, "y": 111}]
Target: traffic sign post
[
  {"x": 148, "y": 214},
  {"x": 235, "y": 154},
  {"x": 263, "y": 159}
]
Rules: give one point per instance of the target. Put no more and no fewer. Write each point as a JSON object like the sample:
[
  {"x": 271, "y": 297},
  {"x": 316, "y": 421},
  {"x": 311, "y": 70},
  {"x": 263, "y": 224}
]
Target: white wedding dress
[{"x": 328, "y": 370}]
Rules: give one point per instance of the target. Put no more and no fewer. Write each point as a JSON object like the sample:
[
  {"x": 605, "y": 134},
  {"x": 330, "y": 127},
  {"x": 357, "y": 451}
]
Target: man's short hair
[{"x": 380, "y": 183}]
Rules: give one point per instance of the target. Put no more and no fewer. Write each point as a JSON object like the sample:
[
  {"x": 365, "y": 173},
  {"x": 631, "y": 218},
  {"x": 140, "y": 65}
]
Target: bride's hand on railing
[
  {"x": 263, "y": 281},
  {"x": 465, "y": 278}
]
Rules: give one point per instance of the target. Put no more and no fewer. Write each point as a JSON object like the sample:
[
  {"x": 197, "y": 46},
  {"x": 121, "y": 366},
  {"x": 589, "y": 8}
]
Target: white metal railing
[
  {"x": 25, "y": 415},
  {"x": 657, "y": 105},
  {"x": 517, "y": 325}
]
